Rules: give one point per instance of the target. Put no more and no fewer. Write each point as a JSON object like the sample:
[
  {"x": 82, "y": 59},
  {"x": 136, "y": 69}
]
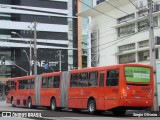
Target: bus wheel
[
  {"x": 29, "y": 103},
  {"x": 119, "y": 112},
  {"x": 12, "y": 102},
  {"x": 53, "y": 105},
  {"x": 92, "y": 106}
]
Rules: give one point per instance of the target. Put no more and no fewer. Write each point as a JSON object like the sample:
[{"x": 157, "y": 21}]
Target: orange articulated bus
[{"x": 116, "y": 88}]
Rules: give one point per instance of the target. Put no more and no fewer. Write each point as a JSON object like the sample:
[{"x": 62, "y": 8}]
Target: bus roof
[{"x": 111, "y": 66}]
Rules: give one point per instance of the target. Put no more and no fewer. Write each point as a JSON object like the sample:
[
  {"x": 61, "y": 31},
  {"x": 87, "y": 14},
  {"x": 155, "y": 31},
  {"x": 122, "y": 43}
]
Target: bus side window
[
  {"x": 112, "y": 78},
  {"x": 50, "y": 82},
  {"x": 32, "y": 83},
  {"x": 8, "y": 87},
  {"x": 12, "y": 85},
  {"x": 21, "y": 84},
  {"x": 83, "y": 79},
  {"x": 15, "y": 85},
  {"x": 29, "y": 84},
  {"x": 93, "y": 79},
  {"x": 74, "y": 82},
  {"x": 44, "y": 82},
  {"x": 56, "y": 82},
  {"x": 101, "y": 82},
  {"x": 25, "y": 82}
]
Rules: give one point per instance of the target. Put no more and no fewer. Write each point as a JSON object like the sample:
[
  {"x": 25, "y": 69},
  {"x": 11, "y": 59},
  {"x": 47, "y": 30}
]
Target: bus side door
[
  {"x": 101, "y": 103},
  {"x": 111, "y": 88},
  {"x": 43, "y": 91}
]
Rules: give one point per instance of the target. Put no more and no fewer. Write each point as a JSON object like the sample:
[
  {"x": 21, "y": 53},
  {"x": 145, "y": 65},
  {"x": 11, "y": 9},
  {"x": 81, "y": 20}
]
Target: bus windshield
[{"x": 137, "y": 74}]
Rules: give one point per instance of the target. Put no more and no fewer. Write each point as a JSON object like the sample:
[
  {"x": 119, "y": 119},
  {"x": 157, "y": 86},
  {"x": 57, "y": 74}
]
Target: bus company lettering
[
  {"x": 43, "y": 62},
  {"x": 24, "y": 115},
  {"x": 141, "y": 75}
]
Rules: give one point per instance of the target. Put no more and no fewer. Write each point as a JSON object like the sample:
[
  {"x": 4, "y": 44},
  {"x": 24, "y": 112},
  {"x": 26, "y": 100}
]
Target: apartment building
[{"x": 56, "y": 30}]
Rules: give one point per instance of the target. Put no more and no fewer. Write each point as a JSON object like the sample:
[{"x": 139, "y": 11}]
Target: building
[
  {"x": 119, "y": 32},
  {"x": 83, "y": 33},
  {"x": 56, "y": 33}
]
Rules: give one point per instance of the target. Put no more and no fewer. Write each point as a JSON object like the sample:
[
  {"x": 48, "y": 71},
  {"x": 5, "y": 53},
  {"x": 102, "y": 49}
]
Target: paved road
[{"x": 68, "y": 114}]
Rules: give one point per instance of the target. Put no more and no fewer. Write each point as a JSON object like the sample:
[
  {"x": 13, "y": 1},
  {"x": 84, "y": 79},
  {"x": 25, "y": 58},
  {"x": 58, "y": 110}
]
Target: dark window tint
[
  {"x": 101, "y": 82},
  {"x": 93, "y": 79},
  {"x": 83, "y": 79},
  {"x": 13, "y": 87},
  {"x": 32, "y": 83},
  {"x": 44, "y": 82},
  {"x": 7, "y": 87},
  {"x": 74, "y": 80},
  {"x": 50, "y": 82},
  {"x": 25, "y": 83},
  {"x": 21, "y": 84},
  {"x": 112, "y": 78},
  {"x": 56, "y": 82}
]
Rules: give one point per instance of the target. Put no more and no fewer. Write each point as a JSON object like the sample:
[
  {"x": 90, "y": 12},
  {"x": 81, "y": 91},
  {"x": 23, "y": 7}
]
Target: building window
[
  {"x": 127, "y": 58},
  {"x": 125, "y": 18},
  {"x": 126, "y": 47},
  {"x": 144, "y": 55},
  {"x": 142, "y": 13},
  {"x": 143, "y": 43},
  {"x": 126, "y": 30},
  {"x": 99, "y": 1},
  {"x": 155, "y": 21},
  {"x": 143, "y": 25}
]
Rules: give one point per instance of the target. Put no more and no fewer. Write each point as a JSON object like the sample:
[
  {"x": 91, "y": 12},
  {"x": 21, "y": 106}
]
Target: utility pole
[
  {"x": 30, "y": 56},
  {"x": 152, "y": 54},
  {"x": 30, "y": 49},
  {"x": 60, "y": 56},
  {"x": 35, "y": 50}
]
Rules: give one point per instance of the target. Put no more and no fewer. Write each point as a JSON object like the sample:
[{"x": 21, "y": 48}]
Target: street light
[
  {"x": 27, "y": 57},
  {"x": 30, "y": 49}
]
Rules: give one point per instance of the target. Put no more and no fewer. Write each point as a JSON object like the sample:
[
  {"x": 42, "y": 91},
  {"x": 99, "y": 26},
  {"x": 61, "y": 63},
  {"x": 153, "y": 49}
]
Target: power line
[
  {"x": 116, "y": 7},
  {"x": 102, "y": 12},
  {"x": 136, "y": 7},
  {"x": 96, "y": 9},
  {"x": 118, "y": 41}
]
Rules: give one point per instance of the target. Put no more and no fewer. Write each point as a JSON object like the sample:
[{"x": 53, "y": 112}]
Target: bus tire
[
  {"x": 53, "y": 104},
  {"x": 29, "y": 103},
  {"x": 12, "y": 102},
  {"x": 92, "y": 106}
]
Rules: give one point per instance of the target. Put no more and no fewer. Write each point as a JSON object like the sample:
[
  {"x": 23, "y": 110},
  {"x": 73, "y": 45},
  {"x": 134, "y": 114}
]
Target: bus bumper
[{"x": 137, "y": 103}]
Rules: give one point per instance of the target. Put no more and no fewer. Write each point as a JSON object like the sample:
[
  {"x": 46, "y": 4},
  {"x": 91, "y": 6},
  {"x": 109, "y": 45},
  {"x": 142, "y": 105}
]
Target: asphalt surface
[{"x": 42, "y": 113}]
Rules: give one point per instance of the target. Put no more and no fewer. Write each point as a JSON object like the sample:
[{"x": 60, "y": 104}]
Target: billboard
[{"x": 137, "y": 74}]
